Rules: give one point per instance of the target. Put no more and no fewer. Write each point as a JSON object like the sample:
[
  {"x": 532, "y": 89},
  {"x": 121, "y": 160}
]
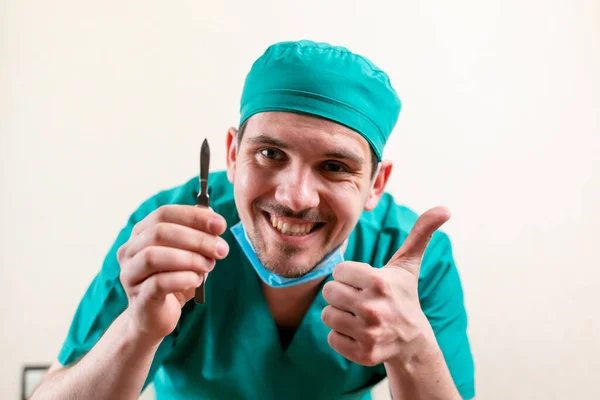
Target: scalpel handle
[{"x": 199, "y": 297}]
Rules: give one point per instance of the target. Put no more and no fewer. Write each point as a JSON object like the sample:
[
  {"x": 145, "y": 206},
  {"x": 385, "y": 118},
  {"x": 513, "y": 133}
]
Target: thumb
[{"x": 410, "y": 254}]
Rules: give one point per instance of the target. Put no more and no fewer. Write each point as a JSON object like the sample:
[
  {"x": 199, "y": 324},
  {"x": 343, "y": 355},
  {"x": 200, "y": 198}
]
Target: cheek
[
  {"x": 246, "y": 176},
  {"x": 347, "y": 203},
  {"x": 250, "y": 184},
  {"x": 242, "y": 183},
  {"x": 349, "y": 193},
  {"x": 242, "y": 190}
]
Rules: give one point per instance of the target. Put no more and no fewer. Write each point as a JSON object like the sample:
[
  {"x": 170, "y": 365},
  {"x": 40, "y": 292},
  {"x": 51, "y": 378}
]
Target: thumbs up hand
[{"x": 374, "y": 313}]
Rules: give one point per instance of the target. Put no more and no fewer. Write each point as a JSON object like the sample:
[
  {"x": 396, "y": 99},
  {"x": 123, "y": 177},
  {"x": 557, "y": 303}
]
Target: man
[{"x": 315, "y": 288}]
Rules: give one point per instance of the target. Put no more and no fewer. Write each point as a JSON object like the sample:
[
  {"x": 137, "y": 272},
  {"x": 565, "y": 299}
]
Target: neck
[
  {"x": 293, "y": 293},
  {"x": 289, "y": 305}
]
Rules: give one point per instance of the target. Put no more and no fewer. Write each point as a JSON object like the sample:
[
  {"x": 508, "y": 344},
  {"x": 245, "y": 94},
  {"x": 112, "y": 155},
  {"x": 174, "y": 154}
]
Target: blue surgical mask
[{"x": 325, "y": 267}]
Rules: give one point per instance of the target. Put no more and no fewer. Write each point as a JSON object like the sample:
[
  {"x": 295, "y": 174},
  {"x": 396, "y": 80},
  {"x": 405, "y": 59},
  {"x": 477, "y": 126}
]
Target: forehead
[{"x": 301, "y": 130}]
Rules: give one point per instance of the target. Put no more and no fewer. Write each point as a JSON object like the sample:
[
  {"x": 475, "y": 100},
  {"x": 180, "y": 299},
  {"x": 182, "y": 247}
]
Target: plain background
[{"x": 102, "y": 104}]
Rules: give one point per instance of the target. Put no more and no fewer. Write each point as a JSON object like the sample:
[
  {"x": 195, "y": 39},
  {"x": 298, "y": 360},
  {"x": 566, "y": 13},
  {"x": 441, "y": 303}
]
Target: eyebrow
[
  {"x": 338, "y": 154},
  {"x": 264, "y": 139},
  {"x": 345, "y": 155}
]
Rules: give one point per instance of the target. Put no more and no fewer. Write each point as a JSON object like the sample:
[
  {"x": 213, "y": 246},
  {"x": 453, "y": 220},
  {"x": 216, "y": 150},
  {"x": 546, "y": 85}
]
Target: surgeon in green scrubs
[{"x": 319, "y": 285}]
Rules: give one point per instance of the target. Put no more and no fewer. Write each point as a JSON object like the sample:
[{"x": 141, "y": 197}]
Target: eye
[
  {"x": 271, "y": 154},
  {"x": 334, "y": 167}
]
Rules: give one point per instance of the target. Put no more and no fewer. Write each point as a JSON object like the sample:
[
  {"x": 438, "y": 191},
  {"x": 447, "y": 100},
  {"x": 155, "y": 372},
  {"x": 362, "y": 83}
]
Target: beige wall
[{"x": 104, "y": 103}]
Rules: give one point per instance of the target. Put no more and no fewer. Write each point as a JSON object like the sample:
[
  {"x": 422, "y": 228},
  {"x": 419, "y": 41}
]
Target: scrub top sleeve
[
  {"x": 102, "y": 303},
  {"x": 442, "y": 300}
]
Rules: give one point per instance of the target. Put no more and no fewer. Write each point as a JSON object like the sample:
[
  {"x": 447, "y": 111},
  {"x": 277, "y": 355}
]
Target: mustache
[{"x": 311, "y": 215}]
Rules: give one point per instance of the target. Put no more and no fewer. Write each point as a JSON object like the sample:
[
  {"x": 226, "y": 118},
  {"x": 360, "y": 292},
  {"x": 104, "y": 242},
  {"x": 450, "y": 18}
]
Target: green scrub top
[{"x": 229, "y": 348}]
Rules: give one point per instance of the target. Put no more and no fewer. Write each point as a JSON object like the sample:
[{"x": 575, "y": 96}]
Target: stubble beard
[{"x": 279, "y": 260}]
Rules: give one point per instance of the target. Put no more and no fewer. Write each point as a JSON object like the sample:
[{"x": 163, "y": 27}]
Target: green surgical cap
[{"x": 326, "y": 81}]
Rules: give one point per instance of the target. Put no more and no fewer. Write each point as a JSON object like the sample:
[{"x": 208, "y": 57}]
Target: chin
[{"x": 287, "y": 267}]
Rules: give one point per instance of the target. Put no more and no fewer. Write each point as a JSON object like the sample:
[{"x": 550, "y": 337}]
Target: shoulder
[
  {"x": 180, "y": 194},
  {"x": 222, "y": 200},
  {"x": 219, "y": 189}
]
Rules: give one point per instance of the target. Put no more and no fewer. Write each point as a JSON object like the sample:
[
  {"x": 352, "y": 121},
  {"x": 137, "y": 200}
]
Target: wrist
[
  {"x": 422, "y": 352},
  {"x": 135, "y": 338},
  {"x": 419, "y": 370},
  {"x": 421, "y": 373}
]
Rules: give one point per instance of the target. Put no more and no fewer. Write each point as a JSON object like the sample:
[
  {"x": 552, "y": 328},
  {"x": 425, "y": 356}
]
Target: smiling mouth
[{"x": 289, "y": 228}]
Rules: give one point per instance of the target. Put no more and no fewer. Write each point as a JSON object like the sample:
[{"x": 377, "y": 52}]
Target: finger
[
  {"x": 159, "y": 285},
  {"x": 343, "y": 344},
  {"x": 180, "y": 237},
  {"x": 411, "y": 252},
  {"x": 156, "y": 259},
  {"x": 355, "y": 274},
  {"x": 341, "y": 296},
  {"x": 340, "y": 321},
  {"x": 199, "y": 218},
  {"x": 186, "y": 295}
]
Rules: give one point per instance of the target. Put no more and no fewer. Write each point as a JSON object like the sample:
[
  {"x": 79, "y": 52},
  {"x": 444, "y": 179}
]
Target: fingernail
[{"x": 222, "y": 248}]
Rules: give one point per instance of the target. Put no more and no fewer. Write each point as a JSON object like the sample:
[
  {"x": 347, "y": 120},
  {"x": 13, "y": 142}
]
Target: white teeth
[{"x": 291, "y": 229}]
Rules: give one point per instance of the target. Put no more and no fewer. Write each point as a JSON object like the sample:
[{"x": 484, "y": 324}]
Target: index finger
[
  {"x": 353, "y": 273},
  {"x": 199, "y": 218}
]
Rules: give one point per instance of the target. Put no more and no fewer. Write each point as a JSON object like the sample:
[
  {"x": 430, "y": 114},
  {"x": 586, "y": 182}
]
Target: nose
[{"x": 298, "y": 190}]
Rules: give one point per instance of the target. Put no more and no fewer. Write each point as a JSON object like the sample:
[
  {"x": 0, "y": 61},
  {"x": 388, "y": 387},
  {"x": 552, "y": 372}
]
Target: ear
[
  {"x": 378, "y": 188},
  {"x": 231, "y": 153}
]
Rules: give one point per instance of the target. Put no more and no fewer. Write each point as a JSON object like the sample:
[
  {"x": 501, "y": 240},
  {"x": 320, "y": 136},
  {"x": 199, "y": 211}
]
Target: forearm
[
  {"x": 115, "y": 368},
  {"x": 422, "y": 374}
]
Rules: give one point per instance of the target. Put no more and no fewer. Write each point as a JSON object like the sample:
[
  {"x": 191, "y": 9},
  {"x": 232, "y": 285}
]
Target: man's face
[{"x": 300, "y": 185}]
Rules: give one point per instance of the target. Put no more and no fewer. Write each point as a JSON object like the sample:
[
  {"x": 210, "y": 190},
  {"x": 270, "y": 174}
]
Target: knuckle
[
  {"x": 202, "y": 239},
  {"x": 121, "y": 252},
  {"x": 162, "y": 213},
  {"x": 194, "y": 261},
  {"x": 124, "y": 277},
  {"x": 418, "y": 228},
  {"x": 149, "y": 256},
  {"x": 136, "y": 228},
  {"x": 199, "y": 218},
  {"x": 381, "y": 286},
  {"x": 159, "y": 233},
  {"x": 371, "y": 314},
  {"x": 154, "y": 284},
  {"x": 127, "y": 277},
  {"x": 371, "y": 337}
]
